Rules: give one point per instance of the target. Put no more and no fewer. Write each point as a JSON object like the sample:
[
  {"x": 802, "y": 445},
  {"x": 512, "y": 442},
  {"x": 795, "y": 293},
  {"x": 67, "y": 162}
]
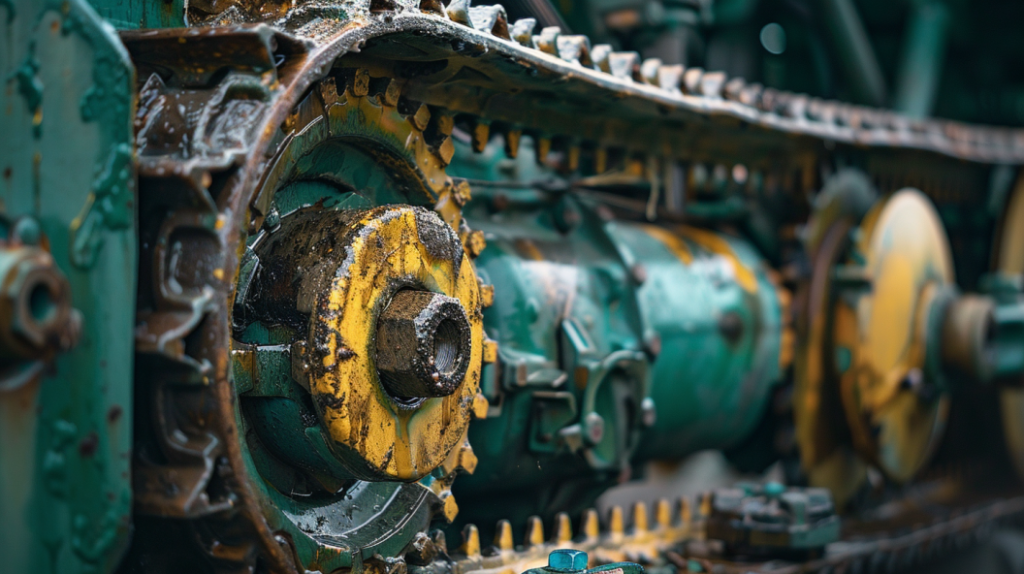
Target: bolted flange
[{"x": 423, "y": 345}]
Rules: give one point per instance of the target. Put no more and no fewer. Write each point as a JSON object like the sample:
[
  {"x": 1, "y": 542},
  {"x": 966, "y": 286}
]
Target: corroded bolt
[
  {"x": 567, "y": 560},
  {"x": 36, "y": 318},
  {"x": 423, "y": 345}
]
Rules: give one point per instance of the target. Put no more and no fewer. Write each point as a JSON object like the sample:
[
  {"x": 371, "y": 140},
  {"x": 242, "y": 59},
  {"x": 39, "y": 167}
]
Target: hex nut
[{"x": 423, "y": 345}]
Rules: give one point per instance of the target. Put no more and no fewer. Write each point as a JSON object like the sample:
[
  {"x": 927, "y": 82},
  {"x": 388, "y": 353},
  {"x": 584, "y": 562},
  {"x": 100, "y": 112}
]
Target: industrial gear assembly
[{"x": 351, "y": 286}]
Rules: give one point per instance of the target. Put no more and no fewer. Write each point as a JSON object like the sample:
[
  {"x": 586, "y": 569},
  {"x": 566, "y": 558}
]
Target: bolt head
[
  {"x": 593, "y": 424},
  {"x": 567, "y": 560},
  {"x": 774, "y": 489},
  {"x": 423, "y": 345}
]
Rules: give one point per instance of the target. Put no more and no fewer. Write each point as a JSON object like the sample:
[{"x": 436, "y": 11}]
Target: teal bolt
[
  {"x": 774, "y": 489},
  {"x": 566, "y": 560}
]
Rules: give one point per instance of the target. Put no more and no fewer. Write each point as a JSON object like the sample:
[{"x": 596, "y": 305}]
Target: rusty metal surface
[{"x": 207, "y": 185}]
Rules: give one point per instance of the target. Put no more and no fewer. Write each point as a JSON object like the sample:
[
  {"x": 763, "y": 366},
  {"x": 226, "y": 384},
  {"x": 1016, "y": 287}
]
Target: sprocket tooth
[
  {"x": 522, "y": 31},
  {"x": 490, "y": 19},
  {"x": 449, "y": 508},
  {"x": 541, "y": 148},
  {"x": 480, "y": 406},
  {"x": 503, "y": 536},
  {"x": 625, "y": 65},
  {"x": 590, "y": 526},
  {"x": 328, "y": 90},
  {"x": 470, "y": 541},
  {"x": 575, "y": 49},
  {"x": 600, "y": 54},
  {"x": 433, "y": 7},
  {"x": 512, "y": 139},
  {"x": 649, "y": 71},
  {"x": 616, "y": 526},
  {"x": 685, "y": 512},
  {"x": 547, "y": 40},
  {"x": 670, "y": 77},
  {"x": 796, "y": 108},
  {"x": 691, "y": 81},
  {"x": 458, "y": 12},
  {"x": 573, "y": 156},
  {"x": 475, "y": 243},
  {"x": 563, "y": 529},
  {"x": 600, "y": 159},
  {"x": 663, "y": 513},
  {"x": 705, "y": 504},
  {"x": 486, "y": 295},
  {"x": 640, "y": 523},
  {"x": 750, "y": 95},
  {"x": 733, "y": 89},
  {"x": 359, "y": 83},
  {"x": 534, "y": 532},
  {"x": 480, "y": 134},
  {"x": 711, "y": 84}
]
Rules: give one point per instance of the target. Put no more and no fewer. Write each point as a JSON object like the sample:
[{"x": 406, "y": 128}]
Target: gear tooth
[
  {"x": 750, "y": 95},
  {"x": 670, "y": 77},
  {"x": 640, "y": 517},
  {"x": 615, "y": 522},
  {"x": 503, "y": 535},
  {"x": 563, "y": 528},
  {"x": 432, "y": 7},
  {"x": 547, "y": 40},
  {"x": 458, "y": 12},
  {"x": 361, "y": 82},
  {"x": 522, "y": 31},
  {"x": 480, "y": 406},
  {"x": 490, "y": 19},
  {"x": 486, "y": 295},
  {"x": 711, "y": 84},
  {"x": 685, "y": 512},
  {"x": 512, "y": 137},
  {"x": 691, "y": 81},
  {"x": 467, "y": 458},
  {"x": 600, "y": 54},
  {"x": 649, "y": 71},
  {"x": 470, "y": 541},
  {"x": 446, "y": 151},
  {"x": 328, "y": 89},
  {"x": 573, "y": 158},
  {"x": 663, "y": 513},
  {"x": 625, "y": 65},
  {"x": 589, "y": 525},
  {"x": 542, "y": 147},
  {"x": 705, "y": 504},
  {"x": 475, "y": 243},
  {"x": 601, "y": 159},
  {"x": 796, "y": 108},
  {"x": 462, "y": 192},
  {"x": 490, "y": 351},
  {"x": 733, "y": 89},
  {"x": 481, "y": 134},
  {"x": 575, "y": 49},
  {"x": 534, "y": 531},
  {"x": 392, "y": 93},
  {"x": 451, "y": 510}
]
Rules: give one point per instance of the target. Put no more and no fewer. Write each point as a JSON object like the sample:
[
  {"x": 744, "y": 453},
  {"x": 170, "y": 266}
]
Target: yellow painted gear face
[
  {"x": 906, "y": 259},
  {"x": 378, "y": 436}
]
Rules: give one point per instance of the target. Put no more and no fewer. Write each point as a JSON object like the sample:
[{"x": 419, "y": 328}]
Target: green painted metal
[
  {"x": 130, "y": 14},
  {"x": 362, "y": 519},
  {"x": 66, "y": 159},
  {"x": 602, "y": 326},
  {"x": 566, "y": 561}
]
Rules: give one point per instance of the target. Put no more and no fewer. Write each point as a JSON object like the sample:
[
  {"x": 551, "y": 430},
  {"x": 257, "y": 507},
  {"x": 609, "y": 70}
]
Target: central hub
[{"x": 423, "y": 340}]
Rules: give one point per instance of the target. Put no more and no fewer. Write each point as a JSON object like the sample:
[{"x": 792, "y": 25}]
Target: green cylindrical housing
[{"x": 619, "y": 342}]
